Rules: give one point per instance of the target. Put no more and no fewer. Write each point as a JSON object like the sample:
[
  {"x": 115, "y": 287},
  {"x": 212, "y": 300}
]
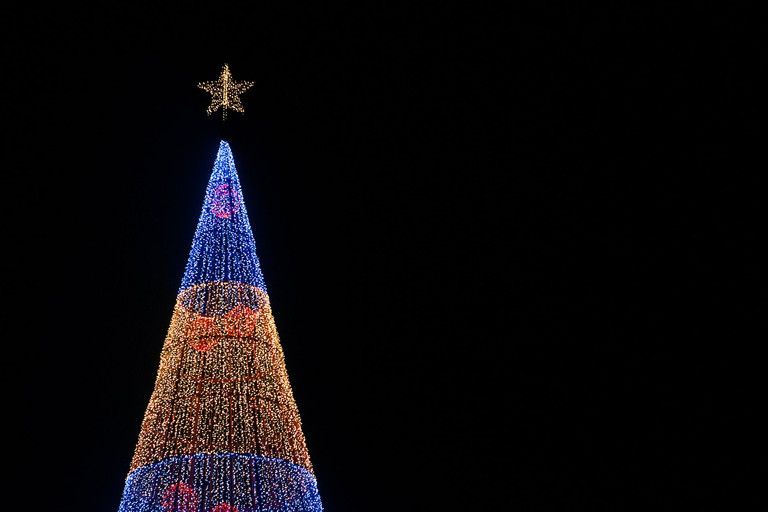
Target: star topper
[{"x": 224, "y": 92}]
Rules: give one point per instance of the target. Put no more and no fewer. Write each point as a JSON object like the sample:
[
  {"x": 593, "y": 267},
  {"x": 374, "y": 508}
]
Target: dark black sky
[{"x": 497, "y": 244}]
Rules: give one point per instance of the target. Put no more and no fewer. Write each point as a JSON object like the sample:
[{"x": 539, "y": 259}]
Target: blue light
[
  {"x": 223, "y": 249},
  {"x": 243, "y": 482}
]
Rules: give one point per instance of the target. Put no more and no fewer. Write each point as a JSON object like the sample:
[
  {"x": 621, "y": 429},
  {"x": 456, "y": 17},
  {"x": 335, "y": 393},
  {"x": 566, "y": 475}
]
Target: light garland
[
  {"x": 221, "y": 483},
  {"x": 222, "y": 432},
  {"x": 225, "y": 92}
]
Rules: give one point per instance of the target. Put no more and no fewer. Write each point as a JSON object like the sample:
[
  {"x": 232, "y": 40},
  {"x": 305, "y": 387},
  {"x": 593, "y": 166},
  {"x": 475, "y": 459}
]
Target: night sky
[{"x": 499, "y": 246}]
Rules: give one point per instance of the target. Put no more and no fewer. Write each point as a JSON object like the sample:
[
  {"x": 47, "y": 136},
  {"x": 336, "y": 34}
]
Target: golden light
[{"x": 225, "y": 92}]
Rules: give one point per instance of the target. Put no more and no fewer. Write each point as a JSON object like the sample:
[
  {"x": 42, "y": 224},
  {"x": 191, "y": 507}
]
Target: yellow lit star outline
[{"x": 225, "y": 92}]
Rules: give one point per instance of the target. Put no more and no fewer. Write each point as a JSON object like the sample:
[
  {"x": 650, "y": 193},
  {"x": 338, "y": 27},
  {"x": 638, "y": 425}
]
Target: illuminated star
[{"x": 225, "y": 92}]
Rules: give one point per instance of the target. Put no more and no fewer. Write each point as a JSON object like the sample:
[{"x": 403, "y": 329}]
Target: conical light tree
[{"x": 222, "y": 432}]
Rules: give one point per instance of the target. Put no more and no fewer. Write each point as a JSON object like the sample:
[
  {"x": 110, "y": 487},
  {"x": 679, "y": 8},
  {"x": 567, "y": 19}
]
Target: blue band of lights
[
  {"x": 223, "y": 249},
  {"x": 221, "y": 482}
]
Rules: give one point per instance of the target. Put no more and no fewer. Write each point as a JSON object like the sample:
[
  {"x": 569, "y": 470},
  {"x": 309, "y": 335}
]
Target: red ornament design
[
  {"x": 225, "y": 507},
  {"x": 202, "y": 333},
  {"x": 223, "y": 201},
  {"x": 240, "y": 322},
  {"x": 180, "y": 498}
]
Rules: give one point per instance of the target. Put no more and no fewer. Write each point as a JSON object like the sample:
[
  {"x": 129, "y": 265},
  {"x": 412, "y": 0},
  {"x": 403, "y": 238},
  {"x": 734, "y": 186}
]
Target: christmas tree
[{"x": 222, "y": 432}]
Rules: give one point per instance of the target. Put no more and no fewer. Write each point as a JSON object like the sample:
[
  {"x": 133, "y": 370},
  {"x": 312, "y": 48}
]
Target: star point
[{"x": 225, "y": 92}]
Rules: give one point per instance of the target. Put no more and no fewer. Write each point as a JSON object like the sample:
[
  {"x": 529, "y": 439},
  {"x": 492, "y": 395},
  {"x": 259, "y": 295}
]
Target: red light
[
  {"x": 223, "y": 203},
  {"x": 180, "y": 498}
]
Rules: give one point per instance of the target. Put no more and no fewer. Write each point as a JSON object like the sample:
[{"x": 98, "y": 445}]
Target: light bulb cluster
[
  {"x": 222, "y": 432},
  {"x": 221, "y": 483},
  {"x": 223, "y": 249},
  {"x": 222, "y": 386},
  {"x": 225, "y": 92}
]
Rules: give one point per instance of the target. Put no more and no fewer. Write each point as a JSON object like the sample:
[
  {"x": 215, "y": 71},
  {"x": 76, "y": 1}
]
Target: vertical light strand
[{"x": 221, "y": 432}]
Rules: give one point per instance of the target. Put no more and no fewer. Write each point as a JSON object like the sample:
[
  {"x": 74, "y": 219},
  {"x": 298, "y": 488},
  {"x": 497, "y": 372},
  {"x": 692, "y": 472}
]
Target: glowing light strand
[
  {"x": 222, "y": 432},
  {"x": 221, "y": 481},
  {"x": 225, "y": 92},
  {"x": 223, "y": 249}
]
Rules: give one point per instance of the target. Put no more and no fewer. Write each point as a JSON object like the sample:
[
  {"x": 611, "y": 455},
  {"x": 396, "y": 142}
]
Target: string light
[
  {"x": 222, "y": 432},
  {"x": 225, "y": 92}
]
